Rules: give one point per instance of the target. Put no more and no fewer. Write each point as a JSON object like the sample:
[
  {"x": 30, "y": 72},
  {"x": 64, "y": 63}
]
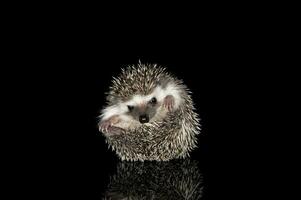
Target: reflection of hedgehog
[
  {"x": 177, "y": 179},
  {"x": 149, "y": 116}
]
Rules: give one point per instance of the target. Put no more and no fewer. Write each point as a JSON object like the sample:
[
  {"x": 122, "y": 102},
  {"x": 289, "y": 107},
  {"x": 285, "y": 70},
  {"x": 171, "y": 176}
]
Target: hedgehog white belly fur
[{"x": 149, "y": 115}]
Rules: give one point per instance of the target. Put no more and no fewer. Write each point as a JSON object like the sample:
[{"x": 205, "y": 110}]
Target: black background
[
  {"x": 58, "y": 63},
  {"x": 65, "y": 71}
]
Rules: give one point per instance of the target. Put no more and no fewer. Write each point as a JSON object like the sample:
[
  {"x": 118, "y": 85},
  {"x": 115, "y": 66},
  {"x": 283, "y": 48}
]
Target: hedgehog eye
[
  {"x": 153, "y": 100},
  {"x": 130, "y": 108}
]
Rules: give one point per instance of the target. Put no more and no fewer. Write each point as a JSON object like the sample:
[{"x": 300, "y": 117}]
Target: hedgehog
[{"x": 149, "y": 115}]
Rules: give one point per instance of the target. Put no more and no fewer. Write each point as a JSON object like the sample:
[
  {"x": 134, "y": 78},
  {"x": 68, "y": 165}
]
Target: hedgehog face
[{"x": 143, "y": 108}]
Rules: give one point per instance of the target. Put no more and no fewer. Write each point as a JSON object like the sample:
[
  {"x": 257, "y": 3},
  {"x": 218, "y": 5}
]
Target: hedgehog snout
[{"x": 144, "y": 118}]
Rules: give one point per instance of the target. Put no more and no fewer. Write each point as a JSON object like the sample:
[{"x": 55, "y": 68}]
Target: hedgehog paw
[
  {"x": 113, "y": 130},
  {"x": 169, "y": 102},
  {"x": 104, "y": 125},
  {"x": 107, "y": 128}
]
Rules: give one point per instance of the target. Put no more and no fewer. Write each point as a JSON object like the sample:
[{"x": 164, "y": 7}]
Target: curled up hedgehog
[{"x": 149, "y": 115}]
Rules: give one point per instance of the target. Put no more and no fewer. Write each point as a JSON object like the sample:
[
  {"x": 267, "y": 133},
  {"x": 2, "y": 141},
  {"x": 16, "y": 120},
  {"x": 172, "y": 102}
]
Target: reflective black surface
[{"x": 177, "y": 179}]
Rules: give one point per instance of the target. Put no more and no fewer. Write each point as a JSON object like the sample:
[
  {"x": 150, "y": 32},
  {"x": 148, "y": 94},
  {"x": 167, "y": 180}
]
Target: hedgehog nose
[{"x": 143, "y": 119}]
